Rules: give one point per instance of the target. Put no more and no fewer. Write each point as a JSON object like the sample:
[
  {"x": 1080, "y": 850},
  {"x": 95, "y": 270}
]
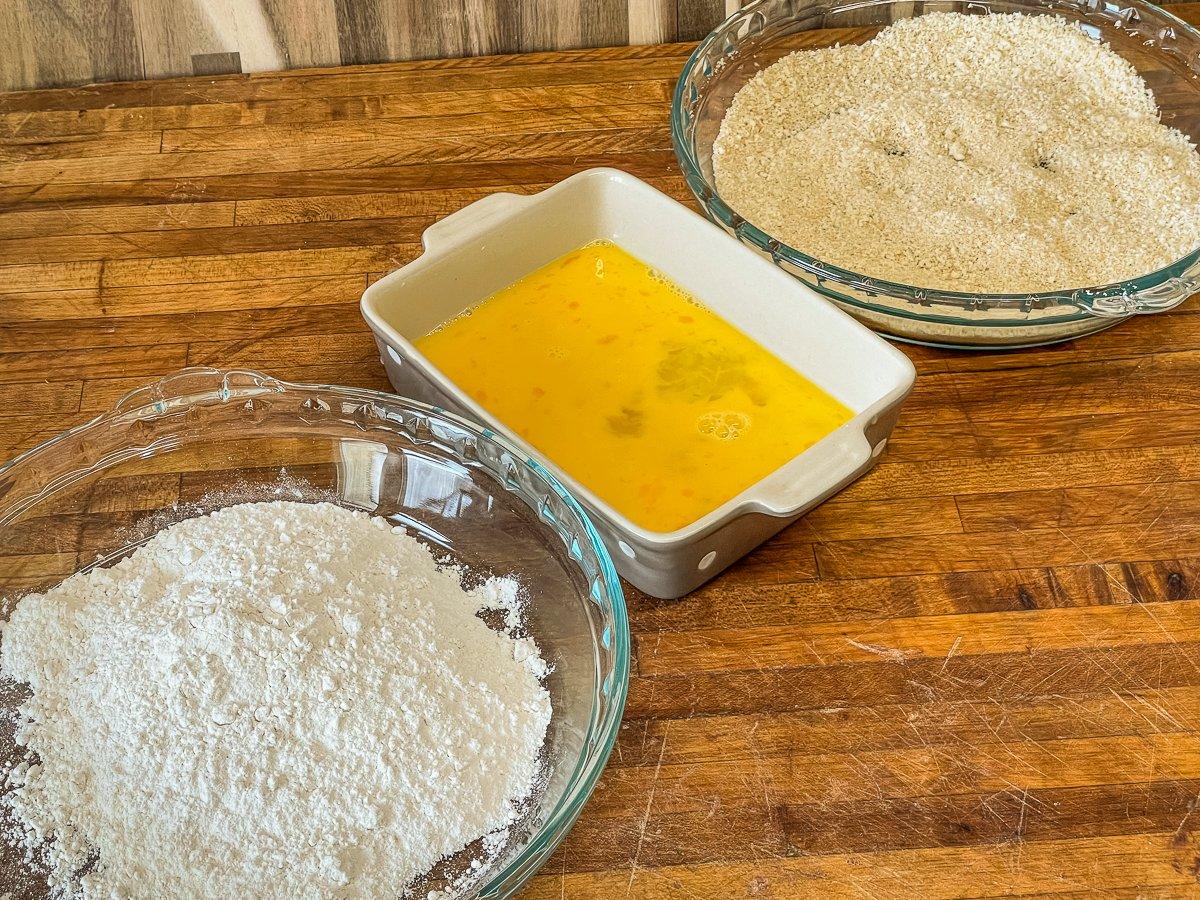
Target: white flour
[{"x": 279, "y": 699}]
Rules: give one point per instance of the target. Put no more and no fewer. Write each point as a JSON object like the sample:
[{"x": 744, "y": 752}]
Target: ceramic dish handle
[
  {"x": 471, "y": 219},
  {"x": 195, "y": 380},
  {"x": 848, "y": 456},
  {"x": 1159, "y": 298}
]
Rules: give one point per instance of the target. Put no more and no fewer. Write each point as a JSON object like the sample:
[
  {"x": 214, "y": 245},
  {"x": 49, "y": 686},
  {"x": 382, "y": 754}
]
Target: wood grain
[
  {"x": 976, "y": 672},
  {"x": 50, "y": 43}
]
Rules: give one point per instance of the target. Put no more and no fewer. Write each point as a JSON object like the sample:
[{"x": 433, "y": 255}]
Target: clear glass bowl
[
  {"x": 1164, "y": 49},
  {"x": 203, "y": 439}
]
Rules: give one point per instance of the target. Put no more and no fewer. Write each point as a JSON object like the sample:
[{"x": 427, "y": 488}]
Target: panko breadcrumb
[{"x": 1000, "y": 153}]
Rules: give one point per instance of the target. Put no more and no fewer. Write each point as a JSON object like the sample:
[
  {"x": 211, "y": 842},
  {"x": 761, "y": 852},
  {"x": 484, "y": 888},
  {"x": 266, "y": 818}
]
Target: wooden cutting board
[{"x": 975, "y": 672}]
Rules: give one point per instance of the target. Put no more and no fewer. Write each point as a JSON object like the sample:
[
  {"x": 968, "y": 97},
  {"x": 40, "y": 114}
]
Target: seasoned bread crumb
[{"x": 1000, "y": 153}]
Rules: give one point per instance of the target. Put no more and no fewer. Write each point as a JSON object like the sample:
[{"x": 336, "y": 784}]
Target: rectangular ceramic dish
[{"x": 494, "y": 242}]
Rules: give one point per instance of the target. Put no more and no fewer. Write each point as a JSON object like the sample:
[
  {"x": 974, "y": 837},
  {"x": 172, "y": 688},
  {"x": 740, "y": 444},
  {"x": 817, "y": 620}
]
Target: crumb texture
[
  {"x": 1001, "y": 153},
  {"x": 275, "y": 700}
]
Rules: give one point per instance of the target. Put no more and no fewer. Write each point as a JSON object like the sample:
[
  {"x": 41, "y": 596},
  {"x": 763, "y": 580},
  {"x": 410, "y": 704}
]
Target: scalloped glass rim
[
  {"x": 602, "y": 730},
  {"x": 716, "y": 208}
]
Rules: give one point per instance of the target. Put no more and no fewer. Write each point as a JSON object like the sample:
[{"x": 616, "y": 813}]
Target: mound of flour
[{"x": 277, "y": 699}]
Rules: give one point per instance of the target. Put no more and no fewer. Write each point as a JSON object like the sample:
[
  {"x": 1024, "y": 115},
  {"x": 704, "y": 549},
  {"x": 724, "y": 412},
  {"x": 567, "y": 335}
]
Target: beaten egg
[{"x": 631, "y": 386}]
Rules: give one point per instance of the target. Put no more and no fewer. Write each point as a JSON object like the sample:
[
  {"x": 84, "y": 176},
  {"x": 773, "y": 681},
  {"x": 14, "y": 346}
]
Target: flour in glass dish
[
  {"x": 1003, "y": 153},
  {"x": 278, "y": 699}
]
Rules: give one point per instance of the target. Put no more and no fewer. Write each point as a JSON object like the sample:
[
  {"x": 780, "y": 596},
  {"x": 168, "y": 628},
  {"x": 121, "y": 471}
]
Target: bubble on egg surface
[
  {"x": 723, "y": 425},
  {"x": 663, "y": 280}
]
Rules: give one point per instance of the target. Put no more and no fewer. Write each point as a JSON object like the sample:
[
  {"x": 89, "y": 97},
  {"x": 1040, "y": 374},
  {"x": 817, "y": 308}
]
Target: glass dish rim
[
  {"x": 1080, "y": 299},
  {"x": 602, "y": 732}
]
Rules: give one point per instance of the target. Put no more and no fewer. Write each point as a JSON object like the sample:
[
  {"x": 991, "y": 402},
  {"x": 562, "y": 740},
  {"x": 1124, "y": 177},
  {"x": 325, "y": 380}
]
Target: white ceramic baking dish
[{"x": 488, "y": 245}]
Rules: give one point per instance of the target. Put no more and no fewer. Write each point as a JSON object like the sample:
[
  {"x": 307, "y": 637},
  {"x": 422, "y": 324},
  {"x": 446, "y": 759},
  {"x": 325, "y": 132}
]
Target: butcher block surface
[{"x": 975, "y": 672}]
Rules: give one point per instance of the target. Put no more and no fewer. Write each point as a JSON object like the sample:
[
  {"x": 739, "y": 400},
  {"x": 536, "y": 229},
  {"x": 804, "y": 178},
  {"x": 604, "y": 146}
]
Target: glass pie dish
[
  {"x": 1164, "y": 49},
  {"x": 203, "y": 439}
]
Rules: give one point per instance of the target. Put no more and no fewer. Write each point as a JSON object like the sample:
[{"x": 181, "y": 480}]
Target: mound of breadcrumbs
[{"x": 999, "y": 153}]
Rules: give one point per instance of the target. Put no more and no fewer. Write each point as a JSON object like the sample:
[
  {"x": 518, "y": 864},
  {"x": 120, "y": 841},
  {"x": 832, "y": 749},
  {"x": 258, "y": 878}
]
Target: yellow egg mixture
[{"x": 655, "y": 404}]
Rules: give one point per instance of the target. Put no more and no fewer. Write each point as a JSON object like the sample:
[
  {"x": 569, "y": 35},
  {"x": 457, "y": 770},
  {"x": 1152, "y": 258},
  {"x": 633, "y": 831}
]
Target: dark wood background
[{"x": 49, "y": 43}]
